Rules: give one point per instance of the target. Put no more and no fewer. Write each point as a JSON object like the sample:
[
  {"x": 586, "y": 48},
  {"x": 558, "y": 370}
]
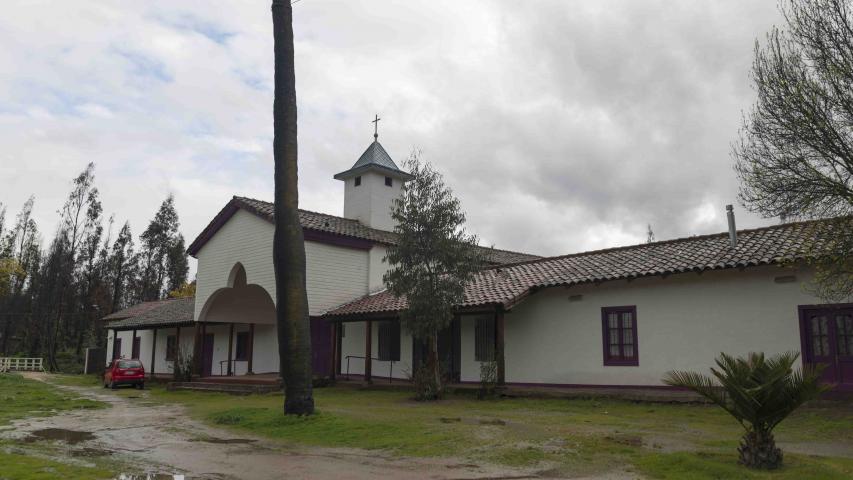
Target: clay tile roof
[
  {"x": 322, "y": 222},
  {"x": 506, "y": 285},
  {"x": 159, "y": 313}
]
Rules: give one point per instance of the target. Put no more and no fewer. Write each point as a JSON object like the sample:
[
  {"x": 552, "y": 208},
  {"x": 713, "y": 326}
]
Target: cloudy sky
[{"x": 562, "y": 125}]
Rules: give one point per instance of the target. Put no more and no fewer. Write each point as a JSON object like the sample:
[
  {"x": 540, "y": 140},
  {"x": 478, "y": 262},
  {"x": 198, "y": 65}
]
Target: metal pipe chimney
[{"x": 730, "y": 214}]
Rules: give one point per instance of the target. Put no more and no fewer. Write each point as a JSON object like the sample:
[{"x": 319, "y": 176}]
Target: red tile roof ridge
[{"x": 666, "y": 242}]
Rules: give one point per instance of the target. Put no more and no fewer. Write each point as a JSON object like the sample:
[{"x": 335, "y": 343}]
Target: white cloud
[{"x": 562, "y": 126}]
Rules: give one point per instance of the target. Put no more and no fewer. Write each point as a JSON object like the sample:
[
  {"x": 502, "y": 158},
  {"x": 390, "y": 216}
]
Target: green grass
[
  {"x": 17, "y": 466},
  {"x": 24, "y": 398},
  {"x": 20, "y": 397},
  {"x": 565, "y": 437},
  {"x": 704, "y": 465}
]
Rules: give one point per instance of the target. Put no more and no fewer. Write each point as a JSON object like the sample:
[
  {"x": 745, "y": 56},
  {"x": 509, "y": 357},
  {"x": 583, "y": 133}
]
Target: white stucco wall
[
  {"x": 371, "y": 201},
  {"x": 683, "y": 322},
  {"x": 353, "y": 344}
]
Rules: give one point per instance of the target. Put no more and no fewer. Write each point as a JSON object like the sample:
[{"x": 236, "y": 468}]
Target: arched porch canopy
[{"x": 237, "y": 303}]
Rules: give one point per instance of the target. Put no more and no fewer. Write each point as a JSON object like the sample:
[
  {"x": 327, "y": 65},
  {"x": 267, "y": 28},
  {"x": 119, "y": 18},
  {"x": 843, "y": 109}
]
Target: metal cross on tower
[{"x": 375, "y": 123}]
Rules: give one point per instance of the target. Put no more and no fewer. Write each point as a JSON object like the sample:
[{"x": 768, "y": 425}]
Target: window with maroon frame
[{"x": 619, "y": 331}]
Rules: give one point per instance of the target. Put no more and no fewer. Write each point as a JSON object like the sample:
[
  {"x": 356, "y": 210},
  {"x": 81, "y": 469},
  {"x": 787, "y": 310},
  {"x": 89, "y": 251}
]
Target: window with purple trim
[{"x": 619, "y": 331}]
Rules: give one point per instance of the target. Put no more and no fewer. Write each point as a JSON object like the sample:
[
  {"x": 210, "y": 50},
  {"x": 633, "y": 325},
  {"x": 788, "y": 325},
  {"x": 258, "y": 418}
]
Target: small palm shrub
[{"x": 759, "y": 392}]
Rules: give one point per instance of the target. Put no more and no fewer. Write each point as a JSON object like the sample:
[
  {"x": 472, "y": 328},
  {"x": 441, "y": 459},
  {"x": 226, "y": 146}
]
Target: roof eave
[{"x": 354, "y": 172}]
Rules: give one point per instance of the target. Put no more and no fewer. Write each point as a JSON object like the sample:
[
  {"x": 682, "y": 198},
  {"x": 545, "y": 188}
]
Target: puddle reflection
[{"x": 150, "y": 476}]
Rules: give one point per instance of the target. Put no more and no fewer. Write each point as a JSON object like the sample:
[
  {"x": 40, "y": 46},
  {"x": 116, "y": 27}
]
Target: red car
[{"x": 124, "y": 372}]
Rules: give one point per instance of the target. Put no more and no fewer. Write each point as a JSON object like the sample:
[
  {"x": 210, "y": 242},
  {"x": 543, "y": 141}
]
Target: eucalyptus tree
[
  {"x": 431, "y": 262},
  {"x": 294, "y": 334},
  {"x": 795, "y": 153},
  {"x": 163, "y": 262}
]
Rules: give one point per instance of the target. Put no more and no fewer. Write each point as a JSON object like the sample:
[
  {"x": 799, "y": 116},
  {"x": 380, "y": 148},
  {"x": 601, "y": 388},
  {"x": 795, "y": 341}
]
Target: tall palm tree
[
  {"x": 759, "y": 393},
  {"x": 294, "y": 334}
]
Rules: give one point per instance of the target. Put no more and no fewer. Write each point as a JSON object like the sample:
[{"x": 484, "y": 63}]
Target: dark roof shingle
[
  {"x": 157, "y": 313},
  {"x": 508, "y": 284}
]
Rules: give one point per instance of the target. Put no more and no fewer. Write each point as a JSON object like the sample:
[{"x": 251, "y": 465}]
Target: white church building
[{"x": 616, "y": 317}]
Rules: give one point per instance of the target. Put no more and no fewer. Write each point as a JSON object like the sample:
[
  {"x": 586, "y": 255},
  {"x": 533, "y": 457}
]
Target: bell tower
[{"x": 372, "y": 185}]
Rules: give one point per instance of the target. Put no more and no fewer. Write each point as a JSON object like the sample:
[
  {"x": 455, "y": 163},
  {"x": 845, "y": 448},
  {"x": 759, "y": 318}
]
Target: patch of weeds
[
  {"x": 227, "y": 418},
  {"x": 523, "y": 456}
]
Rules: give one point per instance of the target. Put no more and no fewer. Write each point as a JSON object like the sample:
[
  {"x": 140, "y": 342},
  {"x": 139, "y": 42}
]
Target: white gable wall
[{"x": 334, "y": 275}]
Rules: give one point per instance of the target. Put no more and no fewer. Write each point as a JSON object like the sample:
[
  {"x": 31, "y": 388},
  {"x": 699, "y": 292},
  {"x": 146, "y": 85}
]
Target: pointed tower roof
[{"x": 377, "y": 159}]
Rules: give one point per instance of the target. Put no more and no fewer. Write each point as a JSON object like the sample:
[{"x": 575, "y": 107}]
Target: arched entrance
[{"x": 238, "y": 329}]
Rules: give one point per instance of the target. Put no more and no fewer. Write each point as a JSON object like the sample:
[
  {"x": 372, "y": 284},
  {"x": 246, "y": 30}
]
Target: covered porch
[{"x": 473, "y": 337}]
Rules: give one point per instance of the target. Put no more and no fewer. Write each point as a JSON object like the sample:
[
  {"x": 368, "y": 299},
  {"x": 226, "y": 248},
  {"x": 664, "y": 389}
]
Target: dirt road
[{"x": 161, "y": 439}]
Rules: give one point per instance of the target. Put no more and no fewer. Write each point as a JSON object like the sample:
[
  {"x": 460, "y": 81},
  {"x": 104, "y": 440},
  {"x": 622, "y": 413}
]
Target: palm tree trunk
[
  {"x": 758, "y": 450},
  {"x": 294, "y": 336}
]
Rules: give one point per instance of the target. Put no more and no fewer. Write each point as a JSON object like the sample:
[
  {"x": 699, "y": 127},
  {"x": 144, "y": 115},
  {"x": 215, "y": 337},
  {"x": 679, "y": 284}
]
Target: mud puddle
[
  {"x": 224, "y": 441},
  {"x": 71, "y": 437}
]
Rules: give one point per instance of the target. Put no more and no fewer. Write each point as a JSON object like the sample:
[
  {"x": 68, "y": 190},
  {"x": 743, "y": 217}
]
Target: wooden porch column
[
  {"x": 197, "y": 347},
  {"x": 133, "y": 344},
  {"x": 153, "y": 352},
  {"x": 115, "y": 338},
  {"x": 368, "y": 351},
  {"x": 334, "y": 350},
  {"x": 499, "y": 345},
  {"x": 230, "y": 345},
  {"x": 251, "y": 349},
  {"x": 178, "y": 340}
]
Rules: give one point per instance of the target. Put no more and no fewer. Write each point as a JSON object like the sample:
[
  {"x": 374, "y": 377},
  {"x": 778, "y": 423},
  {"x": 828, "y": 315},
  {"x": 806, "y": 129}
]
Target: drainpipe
[{"x": 730, "y": 214}]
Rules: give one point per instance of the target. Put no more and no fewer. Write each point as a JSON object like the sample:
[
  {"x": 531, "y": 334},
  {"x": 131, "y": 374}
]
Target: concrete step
[{"x": 233, "y": 388}]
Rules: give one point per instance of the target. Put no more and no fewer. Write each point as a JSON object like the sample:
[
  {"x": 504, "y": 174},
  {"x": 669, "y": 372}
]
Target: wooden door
[
  {"x": 207, "y": 355},
  {"x": 827, "y": 338}
]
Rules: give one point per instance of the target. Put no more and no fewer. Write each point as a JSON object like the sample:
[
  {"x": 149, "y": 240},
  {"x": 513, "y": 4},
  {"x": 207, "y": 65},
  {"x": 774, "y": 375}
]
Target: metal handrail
[
  {"x": 226, "y": 361},
  {"x": 390, "y": 366}
]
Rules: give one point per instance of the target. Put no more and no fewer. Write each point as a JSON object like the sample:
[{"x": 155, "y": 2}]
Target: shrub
[
  {"x": 183, "y": 365},
  {"x": 488, "y": 380}
]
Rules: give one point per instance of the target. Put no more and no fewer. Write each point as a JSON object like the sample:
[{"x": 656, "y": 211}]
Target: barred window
[
  {"x": 484, "y": 334},
  {"x": 171, "y": 347},
  {"x": 389, "y": 341}
]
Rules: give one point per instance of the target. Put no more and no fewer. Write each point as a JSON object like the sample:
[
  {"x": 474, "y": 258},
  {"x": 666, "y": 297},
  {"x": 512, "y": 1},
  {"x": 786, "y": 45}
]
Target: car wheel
[{"x": 141, "y": 386}]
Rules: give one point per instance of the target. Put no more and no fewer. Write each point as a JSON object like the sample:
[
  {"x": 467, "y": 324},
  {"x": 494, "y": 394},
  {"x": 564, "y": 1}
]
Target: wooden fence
[{"x": 14, "y": 364}]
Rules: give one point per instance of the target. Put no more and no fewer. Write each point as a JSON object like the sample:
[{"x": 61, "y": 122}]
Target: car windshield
[{"x": 129, "y": 364}]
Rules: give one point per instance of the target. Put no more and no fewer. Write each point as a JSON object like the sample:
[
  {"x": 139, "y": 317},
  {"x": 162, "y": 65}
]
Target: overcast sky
[{"x": 561, "y": 125}]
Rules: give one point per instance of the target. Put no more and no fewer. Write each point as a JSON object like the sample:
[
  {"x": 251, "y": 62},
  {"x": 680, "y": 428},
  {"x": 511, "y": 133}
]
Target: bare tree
[
  {"x": 795, "y": 153},
  {"x": 294, "y": 335}
]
